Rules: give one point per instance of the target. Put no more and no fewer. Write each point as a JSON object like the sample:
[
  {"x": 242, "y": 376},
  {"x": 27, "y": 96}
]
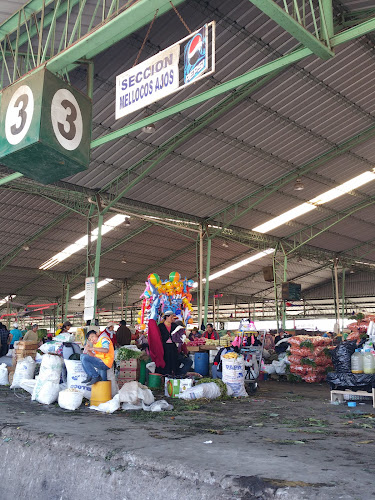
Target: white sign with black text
[{"x": 147, "y": 82}]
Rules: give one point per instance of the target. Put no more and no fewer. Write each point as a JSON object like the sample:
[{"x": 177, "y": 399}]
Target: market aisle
[{"x": 288, "y": 435}]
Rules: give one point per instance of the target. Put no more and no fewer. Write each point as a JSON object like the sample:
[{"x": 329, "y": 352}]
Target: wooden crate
[
  {"x": 337, "y": 395},
  {"x": 28, "y": 345}
]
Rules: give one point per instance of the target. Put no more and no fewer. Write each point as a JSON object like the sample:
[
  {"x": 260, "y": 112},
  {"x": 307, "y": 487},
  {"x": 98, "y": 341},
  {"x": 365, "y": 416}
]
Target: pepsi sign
[{"x": 195, "y": 56}]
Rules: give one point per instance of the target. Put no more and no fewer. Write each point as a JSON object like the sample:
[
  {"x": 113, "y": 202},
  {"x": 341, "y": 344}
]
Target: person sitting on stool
[{"x": 98, "y": 357}]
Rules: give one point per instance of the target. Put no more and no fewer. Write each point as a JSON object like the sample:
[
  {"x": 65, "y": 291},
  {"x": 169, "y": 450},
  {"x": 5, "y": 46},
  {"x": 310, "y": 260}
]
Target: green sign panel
[
  {"x": 290, "y": 291},
  {"x": 45, "y": 128}
]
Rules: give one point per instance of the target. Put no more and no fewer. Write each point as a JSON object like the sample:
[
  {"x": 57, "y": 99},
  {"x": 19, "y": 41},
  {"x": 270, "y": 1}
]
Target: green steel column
[
  {"x": 97, "y": 259},
  {"x": 284, "y": 302},
  {"x": 207, "y": 286},
  {"x": 326, "y": 20},
  {"x": 275, "y": 290},
  {"x": 126, "y": 303},
  {"x": 343, "y": 297},
  {"x": 90, "y": 78},
  {"x": 67, "y": 291},
  {"x": 200, "y": 280}
]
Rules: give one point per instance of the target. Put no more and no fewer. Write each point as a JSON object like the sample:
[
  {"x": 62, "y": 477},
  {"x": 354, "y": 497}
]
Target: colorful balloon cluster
[{"x": 159, "y": 297}]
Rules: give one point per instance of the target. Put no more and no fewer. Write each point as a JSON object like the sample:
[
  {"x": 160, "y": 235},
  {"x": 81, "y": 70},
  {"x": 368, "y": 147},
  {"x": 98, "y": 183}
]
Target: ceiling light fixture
[
  {"x": 123, "y": 261},
  {"x": 150, "y": 128},
  {"x": 81, "y": 243},
  {"x": 26, "y": 248},
  {"x": 100, "y": 285},
  {"x": 225, "y": 244},
  {"x": 237, "y": 265},
  {"x": 298, "y": 185},
  {"x": 310, "y": 205}
]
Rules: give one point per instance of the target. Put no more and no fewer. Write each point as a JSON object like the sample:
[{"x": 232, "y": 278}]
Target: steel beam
[
  {"x": 7, "y": 259},
  {"x": 30, "y": 8},
  {"x": 295, "y": 28},
  {"x": 130, "y": 20},
  {"x": 247, "y": 203},
  {"x": 354, "y": 32}
]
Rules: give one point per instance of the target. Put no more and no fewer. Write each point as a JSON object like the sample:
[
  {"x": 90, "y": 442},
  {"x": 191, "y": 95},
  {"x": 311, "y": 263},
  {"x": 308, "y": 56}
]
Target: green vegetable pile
[
  {"x": 124, "y": 354},
  {"x": 222, "y": 386}
]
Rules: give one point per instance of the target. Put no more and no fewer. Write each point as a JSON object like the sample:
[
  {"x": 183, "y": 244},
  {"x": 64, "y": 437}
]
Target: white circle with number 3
[
  {"x": 19, "y": 114},
  {"x": 66, "y": 119}
]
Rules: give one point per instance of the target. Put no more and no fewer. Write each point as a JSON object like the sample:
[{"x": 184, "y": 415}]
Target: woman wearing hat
[
  {"x": 110, "y": 332},
  {"x": 194, "y": 334}
]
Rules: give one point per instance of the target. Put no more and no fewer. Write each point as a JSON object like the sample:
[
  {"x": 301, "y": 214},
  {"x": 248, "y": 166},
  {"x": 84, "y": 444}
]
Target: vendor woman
[{"x": 166, "y": 328}]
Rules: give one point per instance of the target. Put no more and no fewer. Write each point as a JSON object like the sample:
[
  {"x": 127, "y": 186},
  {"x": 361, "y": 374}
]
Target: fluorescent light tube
[
  {"x": 82, "y": 243},
  {"x": 325, "y": 197}
]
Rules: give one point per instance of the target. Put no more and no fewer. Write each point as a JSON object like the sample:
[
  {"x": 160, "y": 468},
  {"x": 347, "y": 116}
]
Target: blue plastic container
[{"x": 201, "y": 363}]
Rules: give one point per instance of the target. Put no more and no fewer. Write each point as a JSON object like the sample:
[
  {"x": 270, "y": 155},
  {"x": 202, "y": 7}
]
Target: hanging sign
[
  {"x": 196, "y": 56},
  {"x": 147, "y": 82},
  {"x": 89, "y": 298},
  {"x": 164, "y": 74}
]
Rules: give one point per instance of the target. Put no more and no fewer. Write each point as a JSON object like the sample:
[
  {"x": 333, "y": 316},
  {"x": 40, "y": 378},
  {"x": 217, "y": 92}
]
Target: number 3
[
  {"x": 66, "y": 119},
  {"x": 19, "y": 114}
]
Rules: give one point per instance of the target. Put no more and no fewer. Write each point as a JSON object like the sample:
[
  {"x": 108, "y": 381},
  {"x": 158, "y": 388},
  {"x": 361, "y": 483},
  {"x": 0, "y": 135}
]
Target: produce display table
[
  {"x": 202, "y": 348},
  {"x": 337, "y": 395}
]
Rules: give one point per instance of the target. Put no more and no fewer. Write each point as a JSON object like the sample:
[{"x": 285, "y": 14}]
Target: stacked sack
[{"x": 310, "y": 357}]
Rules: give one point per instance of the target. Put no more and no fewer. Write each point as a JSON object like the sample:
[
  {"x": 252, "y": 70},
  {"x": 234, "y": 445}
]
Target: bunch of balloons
[{"x": 159, "y": 297}]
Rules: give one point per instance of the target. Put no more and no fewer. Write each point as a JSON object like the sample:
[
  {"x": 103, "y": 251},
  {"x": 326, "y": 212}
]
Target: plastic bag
[
  {"x": 49, "y": 347},
  {"x": 350, "y": 380},
  {"x": 158, "y": 406},
  {"x": 134, "y": 393},
  {"x": 25, "y": 369},
  {"x": 234, "y": 375},
  {"x": 4, "y": 374},
  {"x": 70, "y": 399},
  {"x": 341, "y": 356},
  {"x": 75, "y": 375},
  {"x": 28, "y": 385},
  {"x": 270, "y": 369},
  {"x": 209, "y": 390},
  {"x": 129, "y": 406},
  {"x": 51, "y": 367},
  {"x": 151, "y": 367},
  {"x": 45, "y": 391},
  {"x": 108, "y": 407}
]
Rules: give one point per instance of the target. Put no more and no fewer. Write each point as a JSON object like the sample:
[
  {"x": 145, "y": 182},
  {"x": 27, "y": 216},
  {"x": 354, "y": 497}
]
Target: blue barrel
[{"x": 201, "y": 363}]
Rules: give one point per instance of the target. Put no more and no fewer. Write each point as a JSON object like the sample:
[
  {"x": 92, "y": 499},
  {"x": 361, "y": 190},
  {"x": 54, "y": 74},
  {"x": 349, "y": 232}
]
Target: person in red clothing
[
  {"x": 210, "y": 333},
  {"x": 110, "y": 332}
]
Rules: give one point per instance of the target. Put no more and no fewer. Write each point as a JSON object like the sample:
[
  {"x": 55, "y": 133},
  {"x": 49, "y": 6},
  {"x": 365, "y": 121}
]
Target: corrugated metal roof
[{"x": 309, "y": 109}]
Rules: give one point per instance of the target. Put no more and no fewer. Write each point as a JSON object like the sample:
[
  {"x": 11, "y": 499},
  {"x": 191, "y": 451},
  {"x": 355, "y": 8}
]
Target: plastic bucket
[
  {"x": 142, "y": 372},
  {"x": 100, "y": 393},
  {"x": 201, "y": 363},
  {"x": 154, "y": 380}
]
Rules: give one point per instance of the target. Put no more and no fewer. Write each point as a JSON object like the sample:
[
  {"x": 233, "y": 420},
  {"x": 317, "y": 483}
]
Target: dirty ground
[{"x": 286, "y": 442}]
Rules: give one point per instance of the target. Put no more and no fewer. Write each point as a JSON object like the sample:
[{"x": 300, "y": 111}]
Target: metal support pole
[
  {"x": 213, "y": 310},
  {"x": 275, "y": 290},
  {"x": 67, "y": 290},
  {"x": 284, "y": 301},
  {"x": 200, "y": 283},
  {"x": 126, "y": 304},
  {"x": 90, "y": 78},
  {"x": 207, "y": 285},
  {"x": 326, "y": 20},
  {"x": 122, "y": 300},
  {"x": 343, "y": 297},
  {"x": 97, "y": 259},
  {"x": 337, "y": 304},
  {"x": 217, "y": 314}
]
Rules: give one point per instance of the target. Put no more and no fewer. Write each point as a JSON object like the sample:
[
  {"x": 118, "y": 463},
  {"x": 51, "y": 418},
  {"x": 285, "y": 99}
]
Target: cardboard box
[
  {"x": 129, "y": 374},
  {"x": 175, "y": 386},
  {"x": 130, "y": 364}
]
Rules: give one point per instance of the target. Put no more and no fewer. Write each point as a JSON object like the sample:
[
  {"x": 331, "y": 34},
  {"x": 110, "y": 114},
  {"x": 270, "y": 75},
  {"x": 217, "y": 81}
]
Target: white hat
[
  {"x": 15, "y": 325},
  {"x": 111, "y": 323}
]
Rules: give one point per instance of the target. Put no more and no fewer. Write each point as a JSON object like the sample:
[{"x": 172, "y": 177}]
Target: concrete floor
[{"x": 286, "y": 442}]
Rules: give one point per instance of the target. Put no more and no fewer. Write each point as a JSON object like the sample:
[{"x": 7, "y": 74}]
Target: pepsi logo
[{"x": 195, "y": 49}]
